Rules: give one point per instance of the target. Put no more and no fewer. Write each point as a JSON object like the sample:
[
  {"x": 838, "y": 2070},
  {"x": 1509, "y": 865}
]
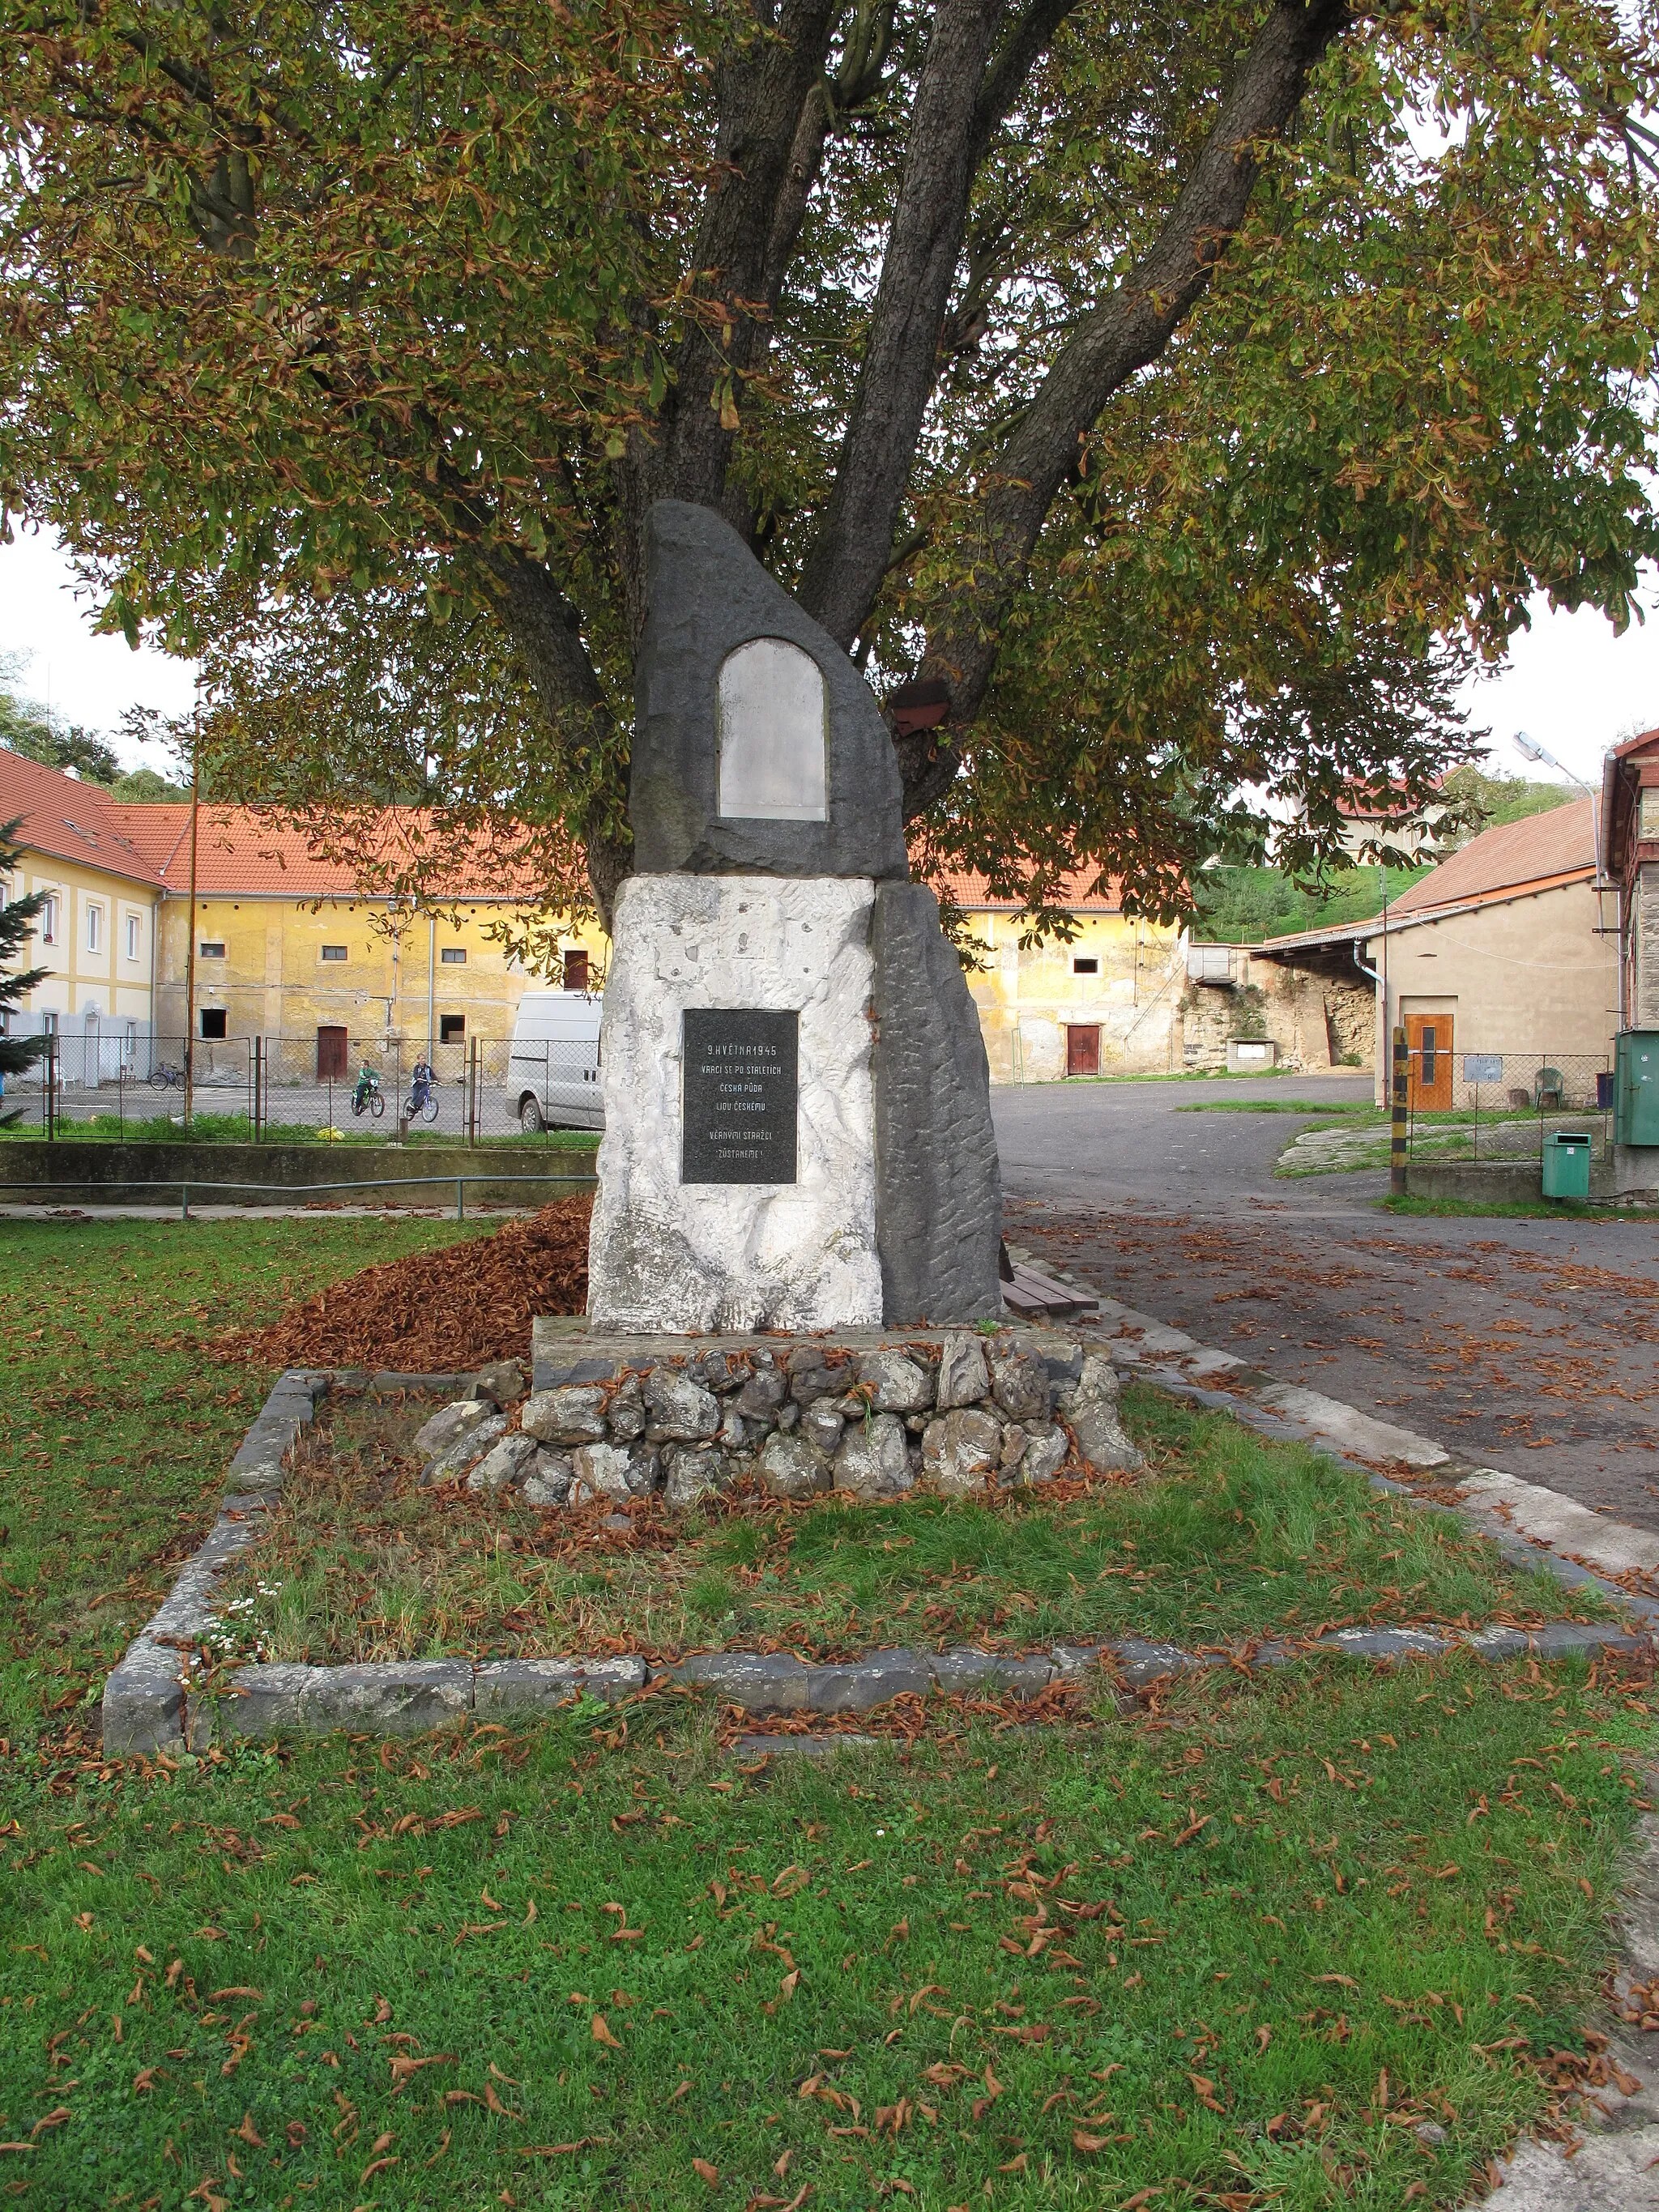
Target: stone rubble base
[{"x": 152, "y": 1701}]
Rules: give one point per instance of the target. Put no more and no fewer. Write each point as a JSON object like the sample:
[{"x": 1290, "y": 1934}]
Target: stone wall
[{"x": 1318, "y": 1020}]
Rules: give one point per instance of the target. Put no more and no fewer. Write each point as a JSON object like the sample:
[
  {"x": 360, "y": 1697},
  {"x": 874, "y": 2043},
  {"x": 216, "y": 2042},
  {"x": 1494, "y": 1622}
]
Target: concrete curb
[{"x": 154, "y": 1698}]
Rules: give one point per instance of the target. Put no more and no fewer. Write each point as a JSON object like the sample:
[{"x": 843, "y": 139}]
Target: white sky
[{"x": 1569, "y": 683}]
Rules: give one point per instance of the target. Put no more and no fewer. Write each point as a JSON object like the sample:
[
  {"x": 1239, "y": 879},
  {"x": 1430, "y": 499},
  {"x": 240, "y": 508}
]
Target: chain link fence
[
  {"x": 1501, "y": 1105},
  {"x": 328, "y": 1087}
]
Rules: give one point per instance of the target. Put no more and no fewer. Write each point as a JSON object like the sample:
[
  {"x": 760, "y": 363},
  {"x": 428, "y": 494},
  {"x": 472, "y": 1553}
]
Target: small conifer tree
[{"x": 17, "y": 916}]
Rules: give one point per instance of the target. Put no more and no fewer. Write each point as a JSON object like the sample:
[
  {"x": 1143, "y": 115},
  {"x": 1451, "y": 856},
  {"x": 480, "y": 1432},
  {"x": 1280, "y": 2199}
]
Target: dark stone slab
[
  {"x": 740, "y": 1092},
  {"x": 708, "y": 595},
  {"x": 143, "y": 1709},
  {"x": 939, "y": 1190}
]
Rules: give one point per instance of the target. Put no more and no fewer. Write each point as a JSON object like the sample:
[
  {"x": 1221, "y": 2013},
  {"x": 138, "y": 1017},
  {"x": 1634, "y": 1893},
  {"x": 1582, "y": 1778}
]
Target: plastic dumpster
[{"x": 1567, "y": 1163}]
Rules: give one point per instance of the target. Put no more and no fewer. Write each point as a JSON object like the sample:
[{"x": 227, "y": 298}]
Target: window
[
  {"x": 454, "y": 955},
  {"x": 575, "y": 971},
  {"x": 452, "y": 1029},
  {"x": 213, "y": 1021},
  {"x": 95, "y": 929},
  {"x": 1086, "y": 967},
  {"x": 334, "y": 952},
  {"x": 211, "y": 951},
  {"x": 135, "y": 936},
  {"x": 49, "y": 921},
  {"x": 49, "y": 1023}
]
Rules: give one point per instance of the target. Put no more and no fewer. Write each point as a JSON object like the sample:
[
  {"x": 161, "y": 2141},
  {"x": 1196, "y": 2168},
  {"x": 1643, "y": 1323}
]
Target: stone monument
[{"x": 797, "y": 1126}]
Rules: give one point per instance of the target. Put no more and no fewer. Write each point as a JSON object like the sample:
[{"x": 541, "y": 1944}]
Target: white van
[{"x": 553, "y": 1064}]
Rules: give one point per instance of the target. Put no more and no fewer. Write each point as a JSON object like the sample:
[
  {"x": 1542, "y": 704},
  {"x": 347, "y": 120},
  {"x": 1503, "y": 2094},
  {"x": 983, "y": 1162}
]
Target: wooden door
[
  {"x": 332, "y": 1049},
  {"x": 1083, "y": 1048},
  {"x": 1429, "y": 1061}
]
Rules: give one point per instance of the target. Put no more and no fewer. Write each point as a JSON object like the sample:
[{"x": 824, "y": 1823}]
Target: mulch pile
[{"x": 437, "y": 1312}]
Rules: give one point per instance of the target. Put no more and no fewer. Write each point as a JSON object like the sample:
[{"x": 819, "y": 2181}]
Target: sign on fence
[{"x": 1483, "y": 1067}]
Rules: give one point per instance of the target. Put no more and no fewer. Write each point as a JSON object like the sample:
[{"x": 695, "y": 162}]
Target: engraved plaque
[
  {"x": 771, "y": 763},
  {"x": 737, "y": 1095}
]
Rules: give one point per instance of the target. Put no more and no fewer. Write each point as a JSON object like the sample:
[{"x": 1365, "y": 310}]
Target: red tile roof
[
  {"x": 1544, "y": 848},
  {"x": 1072, "y": 893},
  {"x": 68, "y": 819},
  {"x": 245, "y": 851}
]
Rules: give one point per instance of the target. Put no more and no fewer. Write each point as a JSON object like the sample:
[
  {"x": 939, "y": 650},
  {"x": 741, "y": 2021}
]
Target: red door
[
  {"x": 1083, "y": 1048},
  {"x": 332, "y": 1047}
]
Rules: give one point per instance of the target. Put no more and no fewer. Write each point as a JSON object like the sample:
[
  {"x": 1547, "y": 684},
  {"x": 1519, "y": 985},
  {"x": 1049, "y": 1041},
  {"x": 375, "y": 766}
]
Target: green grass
[
  {"x": 1226, "y": 1537},
  {"x": 1289, "y": 1914},
  {"x": 1281, "y": 1106},
  {"x": 1517, "y": 1209},
  {"x": 1229, "y": 1950},
  {"x": 115, "y": 1426},
  {"x": 238, "y": 1129}
]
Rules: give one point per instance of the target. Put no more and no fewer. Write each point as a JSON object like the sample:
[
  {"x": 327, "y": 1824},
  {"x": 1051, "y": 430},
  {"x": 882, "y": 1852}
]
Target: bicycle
[
  {"x": 422, "y": 1107},
  {"x": 366, "y": 1099},
  {"x": 164, "y": 1076}
]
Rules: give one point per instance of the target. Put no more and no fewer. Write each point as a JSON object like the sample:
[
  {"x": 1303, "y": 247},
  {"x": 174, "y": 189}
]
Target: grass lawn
[
  {"x": 1519, "y": 1209},
  {"x": 238, "y": 1129},
  {"x": 1224, "y": 1537},
  {"x": 1319, "y": 1112},
  {"x": 1230, "y": 1948}
]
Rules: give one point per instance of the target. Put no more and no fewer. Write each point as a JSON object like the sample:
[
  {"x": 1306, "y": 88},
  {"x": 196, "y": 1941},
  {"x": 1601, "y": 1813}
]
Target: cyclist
[
  {"x": 420, "y": 1086},
  {"x": 367, "y": 1084}
]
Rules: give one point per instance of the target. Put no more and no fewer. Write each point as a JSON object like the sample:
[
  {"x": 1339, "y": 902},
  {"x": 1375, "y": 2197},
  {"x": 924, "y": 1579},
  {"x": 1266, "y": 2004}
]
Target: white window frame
[
  {"x": 134, "y": 935},
  {"x": 95, "y": 925},
  {"x": 49, "y": 920}
]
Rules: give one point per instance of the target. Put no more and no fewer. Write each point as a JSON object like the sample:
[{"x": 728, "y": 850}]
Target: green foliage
[
  {"x": 1244, "y": 905},
  {"x": 17, "y": 919},
  {"x": 1493, "y": 801},
  {"x": 347, "y": 354}
]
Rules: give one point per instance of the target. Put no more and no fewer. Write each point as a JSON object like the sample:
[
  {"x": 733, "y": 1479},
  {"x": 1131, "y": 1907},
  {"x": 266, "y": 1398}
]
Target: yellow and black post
[{"x": 1397, "y": 1122}]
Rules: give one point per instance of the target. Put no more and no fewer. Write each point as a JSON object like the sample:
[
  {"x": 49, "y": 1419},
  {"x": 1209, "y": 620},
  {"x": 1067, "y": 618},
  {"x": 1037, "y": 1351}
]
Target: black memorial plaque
[{"x": 739, "y": 1094}]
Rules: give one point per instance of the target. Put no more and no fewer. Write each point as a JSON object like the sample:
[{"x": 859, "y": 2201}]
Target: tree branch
[{"x": 1123, "y": 335}]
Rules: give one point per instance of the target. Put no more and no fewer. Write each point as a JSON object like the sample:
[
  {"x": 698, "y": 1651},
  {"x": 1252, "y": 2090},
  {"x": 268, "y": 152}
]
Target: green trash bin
[{"x": 1567, "y": 1163}]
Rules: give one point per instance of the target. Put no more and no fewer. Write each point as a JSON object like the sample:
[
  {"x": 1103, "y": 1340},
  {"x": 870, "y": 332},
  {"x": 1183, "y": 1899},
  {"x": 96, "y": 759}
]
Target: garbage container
[{"x": 1567, "y": 1163}]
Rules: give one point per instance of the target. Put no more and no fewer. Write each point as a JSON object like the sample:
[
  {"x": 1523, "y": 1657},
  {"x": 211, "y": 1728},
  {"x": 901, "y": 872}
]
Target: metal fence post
[
  {"x": 460, "y": 1198},
  {"x": 1397, "y": 1135}
]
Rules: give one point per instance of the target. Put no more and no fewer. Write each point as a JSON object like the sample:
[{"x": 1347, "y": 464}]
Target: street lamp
[{"x": 1530, "y": 749}]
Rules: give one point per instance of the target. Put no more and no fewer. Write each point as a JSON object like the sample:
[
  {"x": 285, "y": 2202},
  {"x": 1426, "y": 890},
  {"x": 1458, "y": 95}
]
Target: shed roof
[{"x": 1544, "y": 848}]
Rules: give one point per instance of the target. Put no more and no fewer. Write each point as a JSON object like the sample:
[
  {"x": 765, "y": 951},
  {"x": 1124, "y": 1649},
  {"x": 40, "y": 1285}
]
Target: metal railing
[
  {"x": 184, "y": 1186},
  {"x": 277, "y": 1090},
  {"x": 1500, "y": 1106}
]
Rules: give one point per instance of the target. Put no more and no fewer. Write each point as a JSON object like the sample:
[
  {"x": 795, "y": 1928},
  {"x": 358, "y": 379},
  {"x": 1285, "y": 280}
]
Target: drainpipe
[
  {"x": 190, "y": 950},
  {"x": 431, "y": 986}
]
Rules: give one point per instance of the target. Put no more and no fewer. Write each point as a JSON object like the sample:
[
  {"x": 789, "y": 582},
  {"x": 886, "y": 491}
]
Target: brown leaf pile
[{"x": 437, "y": 1312}]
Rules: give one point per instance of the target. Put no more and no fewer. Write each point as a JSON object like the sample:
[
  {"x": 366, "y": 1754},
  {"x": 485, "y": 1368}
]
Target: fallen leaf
[
  {"x": 249, "y": 2134},
  {"x": 1082, "y": 2141},
  {"x": 601, "y": 2032},
  {"x": 711, "y": 2174}
]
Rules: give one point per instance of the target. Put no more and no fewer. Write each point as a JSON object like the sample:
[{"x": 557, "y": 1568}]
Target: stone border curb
[{"x": 150, "y": 1703}]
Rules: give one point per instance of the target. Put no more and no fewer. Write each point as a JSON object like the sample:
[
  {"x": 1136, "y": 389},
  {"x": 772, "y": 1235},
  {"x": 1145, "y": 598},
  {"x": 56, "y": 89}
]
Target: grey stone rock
[
  {"x": 715, "y": 1372},
  {"x": 916, "y": 1423},
  {"x": 963, "y": 1376},
  {"x": 387, "y": 1382},
  {"x": 1098, "y": 1383},
  {"x": 625, "y": 1416},
  {"x": 793, "y": 1466},
  {"x": 573, "y": 1413},
  {"x": 548, "y": 1482},
  {"x": 264, "y": 1701},
  {"x": 503, "y": 1380},
  {"x": 1099, "y": 1437},
  {"x": 1014, "y": 1442},
  {"x": 762, "y": 1394},
  {"x": 1020, "y": 1385},
  {"x": 144, "y": 1708},
  {"x": 960, "y": 1452},
  {"x": 733, "y": 1433},
  {"x": 854, "y": 1407},
  {"x": 873, "y": 1461},
  {"x": 404, "y": 1698},
  {"x": 939, "y": 1190},
  {"x": 788, "y": 1416},
  {"x": 759, "y": 1681},
  {"x": 823, "y": 1424},
  {"x": 680, "y": 1410},
  {"x": 612, "y": 1471},
  {"x": 706, "y": 594},
  {"x": 1046, "y": 1452},
  {"x": 1430, "y": 2133},
  {"x": 965, "y": 1668},
  {"x": 1060, "y": 1354},
  {"x": 691, "y": 1474},
  {"x": 808, "y": 1384},
  {"x": 466, "y": 1451},
  {"x": 894, "y": 1382},
  {"x": 518, "y": 1685},
  {"x": 448, "y": 1425},
  {"x": 505, "y": 1464},
  {"x": 861, "y": 1684}
]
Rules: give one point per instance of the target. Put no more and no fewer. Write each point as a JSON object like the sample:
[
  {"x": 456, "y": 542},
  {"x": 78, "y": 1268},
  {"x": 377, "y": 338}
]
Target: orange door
[
  {"x": 1083, "y": 1048},
  {"x": 1429, "y": 1061}
]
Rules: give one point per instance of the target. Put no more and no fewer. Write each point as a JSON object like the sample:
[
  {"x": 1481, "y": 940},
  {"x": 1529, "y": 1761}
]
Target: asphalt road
[{"x": 1532, "y": 1346}]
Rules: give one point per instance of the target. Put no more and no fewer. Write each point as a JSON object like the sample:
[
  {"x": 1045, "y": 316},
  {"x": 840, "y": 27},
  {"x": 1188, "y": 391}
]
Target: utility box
[
  {"x": 1567, "y": 1163},
  {"x": 1636, "y": 1087},
  {"x": 1251, "y": 1055}
]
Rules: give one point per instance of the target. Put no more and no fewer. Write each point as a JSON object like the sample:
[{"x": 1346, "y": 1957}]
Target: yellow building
[
  {"x": 96, "y": 936},
  {"x": 1106, "y": 1002}
]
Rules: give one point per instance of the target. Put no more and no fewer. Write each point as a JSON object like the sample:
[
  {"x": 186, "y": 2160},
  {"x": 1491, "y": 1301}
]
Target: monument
[{"x": 798, "y": 1127}]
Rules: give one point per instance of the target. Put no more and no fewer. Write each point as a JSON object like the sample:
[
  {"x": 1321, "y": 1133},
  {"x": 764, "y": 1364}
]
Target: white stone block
[{"x": 668, "y": 1255}]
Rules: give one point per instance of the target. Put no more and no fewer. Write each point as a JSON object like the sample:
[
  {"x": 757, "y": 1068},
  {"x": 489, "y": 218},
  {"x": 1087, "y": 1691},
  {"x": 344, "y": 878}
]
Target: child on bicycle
[
  {"x": 367, "y": 1084},
  {"x": 420, "y": 1086}
]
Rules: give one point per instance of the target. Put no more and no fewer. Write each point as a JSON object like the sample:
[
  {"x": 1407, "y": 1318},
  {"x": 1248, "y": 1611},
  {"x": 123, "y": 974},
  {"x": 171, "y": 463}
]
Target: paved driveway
[{"x": 1530, "y": 1346}]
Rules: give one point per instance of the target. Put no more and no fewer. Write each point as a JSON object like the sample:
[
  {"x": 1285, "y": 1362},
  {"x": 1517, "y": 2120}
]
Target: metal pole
[
  {"x": 184, "y": 1201},
  {"x": 460, "y": 1198},
  {"x": 1474, "y": 1151},
  {"x": 1397, "y": 1120}
]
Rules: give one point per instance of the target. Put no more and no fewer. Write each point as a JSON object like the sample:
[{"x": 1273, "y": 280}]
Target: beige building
[{"x": 1501, "y": 966}]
